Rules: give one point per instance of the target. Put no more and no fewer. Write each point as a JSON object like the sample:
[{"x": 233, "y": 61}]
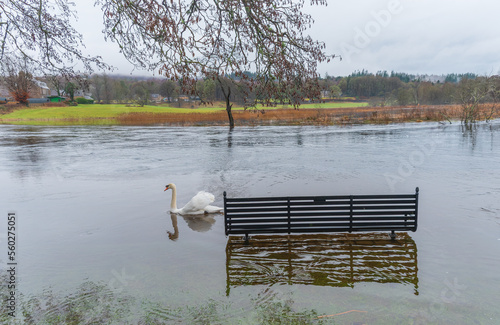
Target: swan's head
[{"x": 169, "y": 186}]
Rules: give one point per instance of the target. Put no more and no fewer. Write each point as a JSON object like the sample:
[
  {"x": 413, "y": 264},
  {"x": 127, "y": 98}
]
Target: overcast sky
[{"x": 412, "y": 36}]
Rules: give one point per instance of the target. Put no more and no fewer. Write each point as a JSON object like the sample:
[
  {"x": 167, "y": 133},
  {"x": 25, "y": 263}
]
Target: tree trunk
[
  {"x": 229, "y": 106},
  {"x": 229, "y": 112}
]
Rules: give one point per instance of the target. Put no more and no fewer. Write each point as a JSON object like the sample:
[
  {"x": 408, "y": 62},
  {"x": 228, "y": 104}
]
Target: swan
[{"x": 199, "y": 204}]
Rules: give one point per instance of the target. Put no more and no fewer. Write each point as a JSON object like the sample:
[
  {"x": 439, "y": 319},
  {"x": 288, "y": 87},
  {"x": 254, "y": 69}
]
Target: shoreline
[{"x": 275, "y": 116}]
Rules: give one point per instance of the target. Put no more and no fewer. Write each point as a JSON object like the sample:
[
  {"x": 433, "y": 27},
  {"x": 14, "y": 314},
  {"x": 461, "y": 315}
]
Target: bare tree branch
[
  {"x": 190, "y": 39},
  {"x": 39, "y": 32}
]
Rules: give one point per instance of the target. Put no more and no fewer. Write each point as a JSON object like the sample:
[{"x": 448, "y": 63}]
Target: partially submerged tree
[
  {"x": 474, "y": 93},
  {"x": 212, "y": 39}
]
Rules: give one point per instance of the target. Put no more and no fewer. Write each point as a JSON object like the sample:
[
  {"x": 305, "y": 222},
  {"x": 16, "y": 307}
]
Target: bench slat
[
  {"x": 321, "y": 213},
  {"x": 319, "y": 198},
  {"x": 258, "y": 216},
  {"x": 322, "y": 207},
  {"x": 322, "y": 224},
  {"x": 293, "y": 202},
  {"x": 314, "y": 219}
]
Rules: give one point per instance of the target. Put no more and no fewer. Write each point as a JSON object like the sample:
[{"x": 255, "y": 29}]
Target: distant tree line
[
  {"x": 397, "y": 88},
  {"x": 118, "y": 89},
  {"x": 381, "y": 88}
]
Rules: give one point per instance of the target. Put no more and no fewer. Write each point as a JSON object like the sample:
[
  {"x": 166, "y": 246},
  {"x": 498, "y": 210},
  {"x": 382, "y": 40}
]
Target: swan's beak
[{"x": 166, "y": 188}]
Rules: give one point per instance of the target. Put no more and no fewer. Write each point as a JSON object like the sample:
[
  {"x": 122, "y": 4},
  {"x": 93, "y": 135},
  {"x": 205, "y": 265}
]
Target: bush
[{"x": 81, "y": 100}]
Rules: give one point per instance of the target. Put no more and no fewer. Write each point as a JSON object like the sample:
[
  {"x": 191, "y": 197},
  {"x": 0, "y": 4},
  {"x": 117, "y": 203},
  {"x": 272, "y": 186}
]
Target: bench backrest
[{"x": 308, "y": 214}]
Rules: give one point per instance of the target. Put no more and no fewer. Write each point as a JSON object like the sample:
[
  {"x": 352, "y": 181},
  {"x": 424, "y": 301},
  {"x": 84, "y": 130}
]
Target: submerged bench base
[{"x": 392, "y": 235}]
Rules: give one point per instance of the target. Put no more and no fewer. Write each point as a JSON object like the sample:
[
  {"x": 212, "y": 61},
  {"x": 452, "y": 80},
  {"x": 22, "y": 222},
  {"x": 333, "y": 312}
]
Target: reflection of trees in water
[
  {"x": 93, "y": 303},
  {"x": 28, "y": 151},
  {"x": 338, "y": 260},
  {"x": 37, "y": 149},
  {"x": 471, "y": 133},
  {"x": 30, "y": 155}
]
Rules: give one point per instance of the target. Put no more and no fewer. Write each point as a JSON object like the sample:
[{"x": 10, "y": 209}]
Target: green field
[
  {"x": 104, "y": 114},
  {"x": 90, "y": 111}
]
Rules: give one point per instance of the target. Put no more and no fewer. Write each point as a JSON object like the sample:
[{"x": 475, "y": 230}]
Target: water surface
[{"x": 96, "y": 240}]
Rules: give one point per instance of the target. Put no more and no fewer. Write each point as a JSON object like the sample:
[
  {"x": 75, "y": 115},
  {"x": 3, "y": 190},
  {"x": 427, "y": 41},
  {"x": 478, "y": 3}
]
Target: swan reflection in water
[
  {"x": 338, "y": 260},
  {"x": 197, "y": 223}
]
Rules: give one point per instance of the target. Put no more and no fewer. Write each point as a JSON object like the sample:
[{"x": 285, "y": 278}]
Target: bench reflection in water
[{"x": 337, "y": 260}]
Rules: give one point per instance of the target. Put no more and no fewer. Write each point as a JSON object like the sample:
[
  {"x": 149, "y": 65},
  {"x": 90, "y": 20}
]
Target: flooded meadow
[{"x": 96, "y": 243}]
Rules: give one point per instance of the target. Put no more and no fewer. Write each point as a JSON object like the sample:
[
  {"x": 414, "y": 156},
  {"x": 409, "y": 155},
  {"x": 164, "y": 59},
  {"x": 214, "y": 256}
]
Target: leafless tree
[
  {"x": 212, "y": 39},
  {"x": 141, "y": 92},
  {"x": 167, "y": 88},
  {"x": 19, "y": 83},
  {"x": 107, "y": 89},
  {"x": 56, "y": 82},
  {"x": 472, "y": 93},
  {"x": 39, "y": 32},
  {"x": 96, "y": 87}
]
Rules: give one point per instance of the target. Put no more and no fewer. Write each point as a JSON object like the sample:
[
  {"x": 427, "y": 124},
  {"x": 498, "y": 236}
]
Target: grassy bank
[
  {"x": 312, "y": 114},
  {"x": 119, "y": 113}
]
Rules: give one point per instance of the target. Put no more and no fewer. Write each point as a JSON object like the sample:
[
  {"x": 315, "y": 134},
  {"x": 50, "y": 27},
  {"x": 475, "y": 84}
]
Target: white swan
[{"x": 199, "y": 204}]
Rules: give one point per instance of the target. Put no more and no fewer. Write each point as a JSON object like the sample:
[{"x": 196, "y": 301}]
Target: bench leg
[
  {"x": 393, "y": 235},
  {"x": 246, "y": 239}
]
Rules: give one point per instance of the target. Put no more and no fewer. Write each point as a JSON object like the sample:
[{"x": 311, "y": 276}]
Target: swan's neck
[{"x": 173, "y": 203}]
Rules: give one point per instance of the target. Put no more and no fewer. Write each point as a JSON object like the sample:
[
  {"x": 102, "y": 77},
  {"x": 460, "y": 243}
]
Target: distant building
[
  {"x": 434, "y": 78},
  {"x": 40, "y": 90},
  {"x": 56, "y": 99},
  {"x": 38, "y": 100},
  {"x": 83, "y": 93},
  {"x": 325, "y": 93},
  {"x": 53, "y": 92},
  {"x": 4, "y": 92},
  {"x": 157, "y": 98}
]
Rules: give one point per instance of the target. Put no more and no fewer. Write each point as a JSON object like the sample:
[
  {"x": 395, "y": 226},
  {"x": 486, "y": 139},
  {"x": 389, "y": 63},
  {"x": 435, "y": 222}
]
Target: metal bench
[{"x": 315, "y": 214}]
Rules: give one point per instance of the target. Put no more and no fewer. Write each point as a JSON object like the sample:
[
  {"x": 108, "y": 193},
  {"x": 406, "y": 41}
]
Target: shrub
[{"x": 81, "y": 100}]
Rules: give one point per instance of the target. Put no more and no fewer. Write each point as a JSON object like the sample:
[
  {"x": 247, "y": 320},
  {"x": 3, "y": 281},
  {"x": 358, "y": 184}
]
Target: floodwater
[{"x": 95, "y": 241}]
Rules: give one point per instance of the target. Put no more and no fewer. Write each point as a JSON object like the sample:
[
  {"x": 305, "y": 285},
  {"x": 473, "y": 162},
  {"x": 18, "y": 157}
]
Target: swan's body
[{"x": 199, "y": 204}]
